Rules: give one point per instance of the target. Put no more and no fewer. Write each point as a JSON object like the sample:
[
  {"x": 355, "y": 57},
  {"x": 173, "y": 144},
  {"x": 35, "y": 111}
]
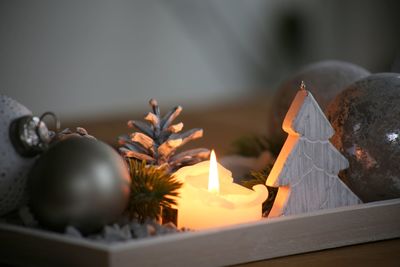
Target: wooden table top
[
  {"x": 222, "y": 124},
  {"x": 382, "y": 253}
]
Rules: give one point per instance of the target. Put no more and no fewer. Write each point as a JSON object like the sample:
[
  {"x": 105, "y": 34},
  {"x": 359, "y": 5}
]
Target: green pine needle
[
  {"x": 256, "y": 178},
  {"x": 152, "y": 189},
  {"x": 254, "y": 145}
]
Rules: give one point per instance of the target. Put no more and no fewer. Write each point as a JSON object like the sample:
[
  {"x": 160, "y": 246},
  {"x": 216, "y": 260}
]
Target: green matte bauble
[{"x": 80, "y": 182}]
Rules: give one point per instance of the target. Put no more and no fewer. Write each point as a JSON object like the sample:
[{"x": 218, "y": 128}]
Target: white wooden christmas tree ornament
[{"x": 307, "y": 166}]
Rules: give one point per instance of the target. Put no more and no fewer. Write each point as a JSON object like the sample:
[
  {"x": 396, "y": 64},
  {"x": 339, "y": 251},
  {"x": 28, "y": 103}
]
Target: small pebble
[
  {"x": 151, "y": 230},
  {"x": 114, "y": 233},
  {"x": 126, "y": 230},
  {"x": 27, "y": 217},
  {"x": 139, "y": 230},
  {"x": 167, "y": 228},
  {"x": 72, "y": 231}
]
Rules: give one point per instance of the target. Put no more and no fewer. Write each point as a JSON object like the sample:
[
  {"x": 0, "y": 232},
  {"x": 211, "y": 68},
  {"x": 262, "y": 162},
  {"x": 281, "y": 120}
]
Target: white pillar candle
[{"x": 209, "y": 197}]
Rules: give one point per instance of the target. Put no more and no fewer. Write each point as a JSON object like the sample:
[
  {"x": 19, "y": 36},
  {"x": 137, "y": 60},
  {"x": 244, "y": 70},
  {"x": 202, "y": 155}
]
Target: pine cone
[{"x": 157, "y": 140}]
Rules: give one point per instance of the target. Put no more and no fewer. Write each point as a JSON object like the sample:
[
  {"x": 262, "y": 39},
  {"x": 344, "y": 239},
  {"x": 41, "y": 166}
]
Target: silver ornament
[
  {"x": 13, "y": 167},
  {"x": 80, "y": 182},
  {"x": 366, "y": 119}
]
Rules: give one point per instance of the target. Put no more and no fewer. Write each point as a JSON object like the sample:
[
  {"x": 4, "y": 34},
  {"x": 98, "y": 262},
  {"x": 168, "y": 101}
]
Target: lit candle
[{"x": 209, "y": 197}]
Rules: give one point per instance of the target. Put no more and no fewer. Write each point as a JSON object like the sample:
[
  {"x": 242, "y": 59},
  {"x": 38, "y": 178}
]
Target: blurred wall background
[{"x": 103, "y": 58}]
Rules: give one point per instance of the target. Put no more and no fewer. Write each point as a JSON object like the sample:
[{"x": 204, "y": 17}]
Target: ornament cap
[{"x": 30, "y": 135}]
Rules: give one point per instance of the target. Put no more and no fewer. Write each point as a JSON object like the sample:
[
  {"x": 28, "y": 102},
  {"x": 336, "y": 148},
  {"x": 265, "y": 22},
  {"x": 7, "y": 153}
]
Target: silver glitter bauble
[
  {"x": 324, "y": 80},
  {"x": 366, "y": 119},
  {"x": 13, "y": 167},
  {"x": 79, "y": 182}
]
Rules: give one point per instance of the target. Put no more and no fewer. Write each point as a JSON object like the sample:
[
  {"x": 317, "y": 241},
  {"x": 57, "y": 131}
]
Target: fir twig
[
  {"x": 254, "y": 145},
  {"x": 152, "y": 189}
]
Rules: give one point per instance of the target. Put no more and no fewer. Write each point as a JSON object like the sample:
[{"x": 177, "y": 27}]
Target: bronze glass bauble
[{"x": 366, "y": 119}]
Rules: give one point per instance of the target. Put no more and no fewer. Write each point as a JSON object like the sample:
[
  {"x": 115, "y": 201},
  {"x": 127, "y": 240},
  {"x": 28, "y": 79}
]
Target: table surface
[
  {"x": 382, "y": 253},
  {"x": 222, "y": 125}
]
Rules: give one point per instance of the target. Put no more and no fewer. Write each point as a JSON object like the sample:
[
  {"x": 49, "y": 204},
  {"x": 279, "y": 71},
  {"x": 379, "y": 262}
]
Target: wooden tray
[{"x": 265, "y": 239}]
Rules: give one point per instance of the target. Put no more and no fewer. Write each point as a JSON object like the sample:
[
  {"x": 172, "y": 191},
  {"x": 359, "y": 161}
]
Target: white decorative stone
[
  {"x": 72, "y": 231},
  {"x": 307, "y": 166}
]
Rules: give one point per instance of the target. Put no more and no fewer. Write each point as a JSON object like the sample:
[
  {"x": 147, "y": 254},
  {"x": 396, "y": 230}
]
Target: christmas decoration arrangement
[{"x": 71, "y": 183}]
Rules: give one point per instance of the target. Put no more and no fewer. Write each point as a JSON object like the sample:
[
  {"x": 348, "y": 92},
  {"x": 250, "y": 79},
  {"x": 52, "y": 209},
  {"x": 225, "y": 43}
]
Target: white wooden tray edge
[{"x": 265, "y": 239}]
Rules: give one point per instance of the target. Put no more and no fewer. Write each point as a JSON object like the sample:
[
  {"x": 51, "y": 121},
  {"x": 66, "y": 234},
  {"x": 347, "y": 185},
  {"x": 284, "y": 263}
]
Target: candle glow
[
  {"x": 213, "y": 178},
  {"x": 209, "y": 197}
]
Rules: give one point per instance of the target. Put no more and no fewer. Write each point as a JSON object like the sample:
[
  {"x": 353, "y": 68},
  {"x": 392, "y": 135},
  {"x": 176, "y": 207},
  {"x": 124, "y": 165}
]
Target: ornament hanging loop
[{"x": 49, "y": 133}]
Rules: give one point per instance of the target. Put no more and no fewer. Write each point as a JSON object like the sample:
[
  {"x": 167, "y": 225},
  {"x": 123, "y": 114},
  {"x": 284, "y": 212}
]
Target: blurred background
[{"x": 97, "y": 63}]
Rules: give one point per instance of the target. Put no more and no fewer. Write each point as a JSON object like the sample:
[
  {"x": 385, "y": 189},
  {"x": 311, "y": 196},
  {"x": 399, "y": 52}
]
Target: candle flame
[{"x": 213, "y": 179}]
